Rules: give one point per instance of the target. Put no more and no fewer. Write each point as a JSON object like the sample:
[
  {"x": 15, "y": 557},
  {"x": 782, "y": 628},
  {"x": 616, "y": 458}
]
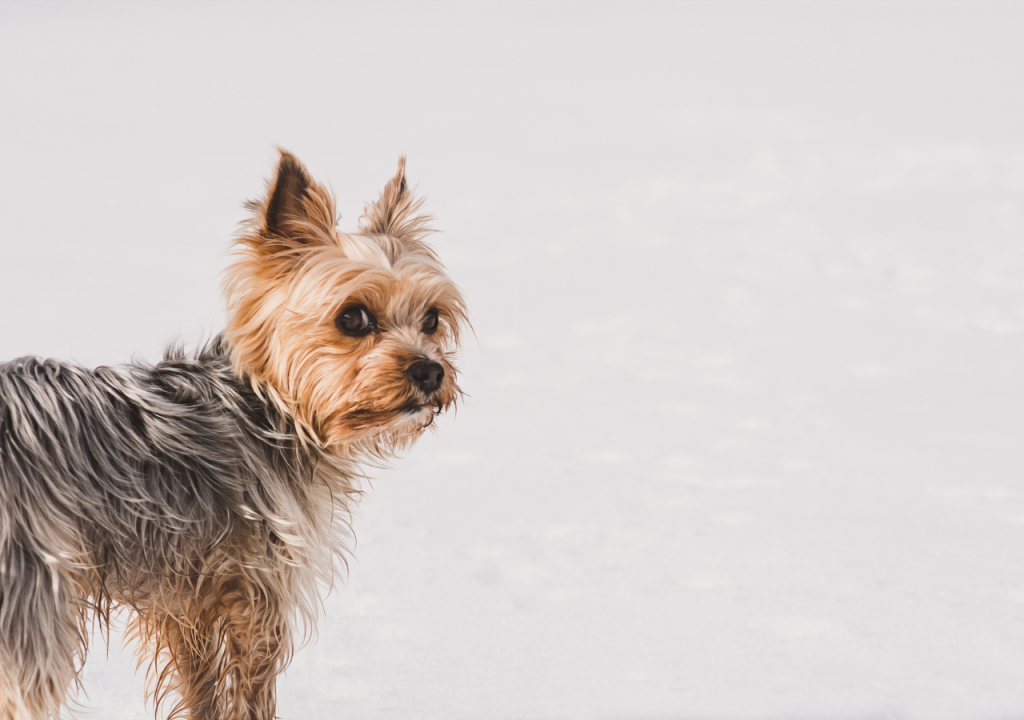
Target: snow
[{"x": 744, "y": 430}]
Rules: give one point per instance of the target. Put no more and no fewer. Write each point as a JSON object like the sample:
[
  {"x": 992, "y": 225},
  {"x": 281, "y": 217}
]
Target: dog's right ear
[{"x": 296, "y": 211}]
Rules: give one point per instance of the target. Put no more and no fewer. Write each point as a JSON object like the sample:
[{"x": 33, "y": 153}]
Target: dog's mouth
[
  {"x": 397, "y": 424},
  {"x": 367, "y": 419},
  {"x": 415, "y": 408}
]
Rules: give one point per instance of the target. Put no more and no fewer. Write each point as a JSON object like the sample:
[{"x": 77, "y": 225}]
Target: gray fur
[{"x": 136, "y": 485}]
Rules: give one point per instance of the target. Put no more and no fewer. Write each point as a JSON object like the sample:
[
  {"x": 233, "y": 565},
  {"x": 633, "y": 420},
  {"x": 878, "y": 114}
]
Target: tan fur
[{"x": 285, "y": 292}]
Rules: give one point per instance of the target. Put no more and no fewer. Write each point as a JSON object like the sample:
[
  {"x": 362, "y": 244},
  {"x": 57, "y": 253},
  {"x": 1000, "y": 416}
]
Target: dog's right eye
[{"x": 356, "y": 321}]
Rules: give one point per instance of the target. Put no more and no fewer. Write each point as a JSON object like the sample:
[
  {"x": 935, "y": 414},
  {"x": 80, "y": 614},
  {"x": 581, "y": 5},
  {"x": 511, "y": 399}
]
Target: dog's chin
[
  {"x": 397, "y": 430},
  {"x": 383, "y": 430}
]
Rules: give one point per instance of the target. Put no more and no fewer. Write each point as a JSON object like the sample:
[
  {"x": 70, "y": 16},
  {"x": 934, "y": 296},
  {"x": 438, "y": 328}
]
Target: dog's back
[
  {"x": 136, "y": 485},
  {"x": 102, "y": 480}
]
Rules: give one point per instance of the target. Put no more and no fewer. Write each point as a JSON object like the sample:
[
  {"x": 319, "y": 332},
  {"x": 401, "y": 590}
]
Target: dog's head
[{"x": 351, "y": 335}]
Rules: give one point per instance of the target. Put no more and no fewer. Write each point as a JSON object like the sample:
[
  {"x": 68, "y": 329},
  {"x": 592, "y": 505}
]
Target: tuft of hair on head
[{"x": 396, "y": 212}]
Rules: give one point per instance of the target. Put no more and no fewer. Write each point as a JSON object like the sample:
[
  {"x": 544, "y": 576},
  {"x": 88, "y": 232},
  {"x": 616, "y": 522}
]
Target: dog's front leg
[
  {"x": 258, "y": 645},
  {"x": 222, "y": 658}
]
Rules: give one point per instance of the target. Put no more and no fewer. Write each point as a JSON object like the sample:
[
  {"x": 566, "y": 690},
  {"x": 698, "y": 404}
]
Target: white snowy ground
[{"x": 744, "y": 434}]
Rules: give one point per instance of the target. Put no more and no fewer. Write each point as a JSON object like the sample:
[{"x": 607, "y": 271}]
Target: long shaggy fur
[{"x": 209, "y": 494}]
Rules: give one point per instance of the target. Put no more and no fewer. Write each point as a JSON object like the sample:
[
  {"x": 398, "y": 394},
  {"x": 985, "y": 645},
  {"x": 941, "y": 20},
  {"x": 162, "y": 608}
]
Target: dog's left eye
[
  {"x": 356, "y": 321},
  {"x": 430, "y": 322}
]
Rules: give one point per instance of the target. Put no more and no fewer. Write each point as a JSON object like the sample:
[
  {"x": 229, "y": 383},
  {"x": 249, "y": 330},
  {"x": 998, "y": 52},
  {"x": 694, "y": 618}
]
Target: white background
[{"x": 743, "y": 438}]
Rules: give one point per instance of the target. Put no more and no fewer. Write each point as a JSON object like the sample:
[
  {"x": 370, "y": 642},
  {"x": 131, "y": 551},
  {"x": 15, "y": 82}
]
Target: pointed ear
[
  {"x": 296, "y": 210},
  {"x": 394, "y": 213},
  {"x": 284, "y": 199}
]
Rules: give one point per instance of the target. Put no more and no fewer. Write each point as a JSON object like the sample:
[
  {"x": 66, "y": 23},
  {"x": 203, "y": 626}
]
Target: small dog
[{"x": 209, "y": 494}]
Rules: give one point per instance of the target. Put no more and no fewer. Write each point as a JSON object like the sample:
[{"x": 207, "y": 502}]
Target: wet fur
[{"x": 209, "y": 494}]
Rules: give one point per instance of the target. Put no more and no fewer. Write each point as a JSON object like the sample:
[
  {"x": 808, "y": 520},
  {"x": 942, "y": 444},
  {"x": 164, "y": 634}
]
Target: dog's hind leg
[{"x": 42, "y": 643}]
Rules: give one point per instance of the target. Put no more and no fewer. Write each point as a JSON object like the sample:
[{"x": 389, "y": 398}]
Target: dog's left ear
[
  {"x": 395, "y": 212},
  {"x": 296, "y": 210}
]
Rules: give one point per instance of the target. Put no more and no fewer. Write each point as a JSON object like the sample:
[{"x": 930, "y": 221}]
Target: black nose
[{"x": 426, "y": 375}]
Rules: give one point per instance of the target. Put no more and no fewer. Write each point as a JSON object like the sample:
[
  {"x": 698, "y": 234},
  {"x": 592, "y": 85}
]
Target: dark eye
[
  {"x": 356, "y": 321},
  {"x": 430, "y": 322}
]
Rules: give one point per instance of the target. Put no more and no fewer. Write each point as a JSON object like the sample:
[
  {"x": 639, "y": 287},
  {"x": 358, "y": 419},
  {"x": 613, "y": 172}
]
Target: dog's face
[{"x": 352, "y": 335}]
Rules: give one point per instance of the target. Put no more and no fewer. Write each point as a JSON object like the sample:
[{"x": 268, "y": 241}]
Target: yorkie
[{"x": 208, "y": 495}]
